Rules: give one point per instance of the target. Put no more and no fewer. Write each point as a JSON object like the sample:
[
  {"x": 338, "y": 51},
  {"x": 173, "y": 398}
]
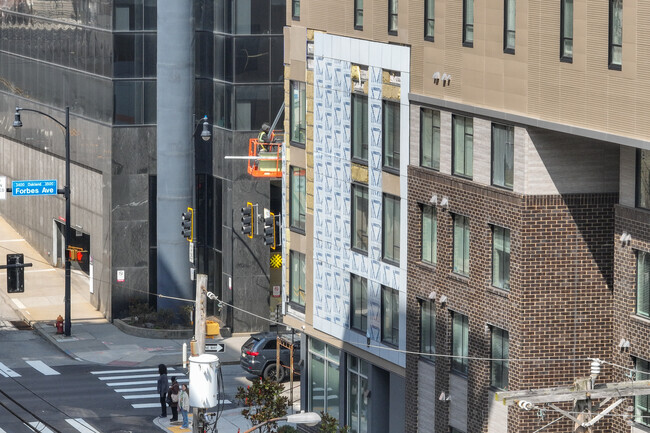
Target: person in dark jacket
[
  {"x": 174, "y": 395},
  {"x": 163, "y": 388}
]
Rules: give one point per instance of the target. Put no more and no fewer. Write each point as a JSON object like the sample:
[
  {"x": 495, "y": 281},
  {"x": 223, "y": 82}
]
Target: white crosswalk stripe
[
  {"x": 77, "y": 423},
  {"x": 139, "y": 384},
  {"x": 41, "y": 367},
  {"x": 7, "y": 372}
]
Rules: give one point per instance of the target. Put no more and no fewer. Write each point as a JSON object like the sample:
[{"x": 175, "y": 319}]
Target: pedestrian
[
  {"x": 163, "y": 388},
  {"x": 173, "y": 396},
  {"x": 184, "y": 403}
]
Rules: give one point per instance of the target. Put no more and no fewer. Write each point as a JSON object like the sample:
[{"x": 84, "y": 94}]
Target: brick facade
[{"x": 558, "y": 306}]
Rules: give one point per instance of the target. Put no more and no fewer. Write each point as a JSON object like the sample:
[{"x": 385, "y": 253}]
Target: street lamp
[
  {"x": 66, "y": 192},
  {"x": 308, "y": 418}
]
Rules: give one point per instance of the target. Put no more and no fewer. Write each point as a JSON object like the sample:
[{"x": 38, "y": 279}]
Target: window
[
  {"x": 358, "y": 303},
  {"x": 390, "y": 228},
  {"x": 643, "y": 179},
  {"x": 359, "y": 127},
  {"x": 297, "y": 278},
  {"x": 295, "y": 9},
  {"x": 463, "y": 150},
  {"x": 323, "y": 378},
  {"x": 459, "y": 343},
  {"x": 392, "y": 17},
  {"x": 390, "y": 134},
  {"x": 358, "y": 371},
  {"x": 430, "y": 138},
  {"x": 615, "y": 34},
  {"x": 427, "y": 327},
  {"x": 297, "y": 206},
  {"x": 389, "y": 315},
  {"x": 359, "y": 217},
  {"x": 503, "y": 148},
  {"x": 501, "y": 258},
  {"x": 509, "y": 26},
  {"x": 358, "y": 14},
  {"x": 468, "y": 23},
  {"x": 461, "y": 245},
  {"x": 429, "y": 234},
  {"x": 642, "y": 402},
  {"x": 566, "y": 37},
  {"x": 429, "y": 19},
  {"x": 499, "y": 355},
  {"x": 298, "y": 112},
  {"x": 643, "y": 283}
]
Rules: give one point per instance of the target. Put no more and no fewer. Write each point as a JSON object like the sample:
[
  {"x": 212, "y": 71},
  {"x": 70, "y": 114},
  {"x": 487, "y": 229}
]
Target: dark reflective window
[
  {"x": 223, "y": 58},
  {"x": 252, "y": 17},
  {"x": 222, "y": 16},
  {"x": 134, "y": 102},
  {"x": 222, "y": 105},
  {"x": 252, "y": 60},
  {"x": 278, "y": 11},
  {"x": 134, "y": 55},
  {"x": 134, "y": 15},
  {"x": 251, "y": 107}
]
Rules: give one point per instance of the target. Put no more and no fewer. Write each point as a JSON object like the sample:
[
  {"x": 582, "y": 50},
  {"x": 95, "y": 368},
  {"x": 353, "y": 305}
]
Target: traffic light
[
  {"x": 187, "y": 224},
  {"x": 269, "y": 230},
  {"x": 15, "y": 275},
  {"x": 247, "y": 221}
]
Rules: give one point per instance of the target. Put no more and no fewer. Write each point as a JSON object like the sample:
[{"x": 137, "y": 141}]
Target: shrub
[{"x": 263, "y": 401}]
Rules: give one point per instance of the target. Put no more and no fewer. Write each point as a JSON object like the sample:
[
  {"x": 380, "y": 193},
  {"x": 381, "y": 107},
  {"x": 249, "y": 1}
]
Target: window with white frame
[
  {"x": 501, "y": 257},
  {"x": 391, "y": 228},
  {"x": 297, "y": 277},
  {"x": 358, "y": 372},
  {"x": 298, "y": 114},
  {"x": 643, "y": 283},
  {"x": 461, "y": 245},
  {"x": 359, "y": 220},
  {"x": 389, "y": 315},
  {"x": 430, "y": 138},
  {"x": 323, "y": 379},
  {"x": 359, "y": 127},
  {"x": 358, "y": 303},
  {"x": 390, "y": 134},
  {"x": 503, "y": 151},
  {"x": 429, "y": 234},
  {"x": 297, "y": 205},
  {"x": 499, "y": 363},
  {"x": 463, "y": 146},
  {"x": 459, "y": 343}
]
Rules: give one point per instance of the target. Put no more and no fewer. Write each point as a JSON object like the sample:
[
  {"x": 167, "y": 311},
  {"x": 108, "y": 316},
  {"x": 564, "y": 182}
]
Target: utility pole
[{"x": 198, "y": 348}]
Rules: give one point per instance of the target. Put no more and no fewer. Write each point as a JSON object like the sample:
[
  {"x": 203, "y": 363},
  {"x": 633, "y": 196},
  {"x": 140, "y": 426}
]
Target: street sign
[
  {"x": 3, "y": 187},
  {"x": 218, "y": 348},
  {"x": 24, "y": 188}
]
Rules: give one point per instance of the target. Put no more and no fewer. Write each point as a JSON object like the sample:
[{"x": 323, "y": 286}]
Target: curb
[{"x": 161, "y": 334}]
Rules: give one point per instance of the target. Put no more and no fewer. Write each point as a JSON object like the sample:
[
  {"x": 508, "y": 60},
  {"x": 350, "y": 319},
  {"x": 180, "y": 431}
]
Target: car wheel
[{"x": 269, "y": 373}]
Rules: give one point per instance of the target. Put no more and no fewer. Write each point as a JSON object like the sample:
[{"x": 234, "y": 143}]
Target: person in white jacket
[{"x": 184, "y": 404}]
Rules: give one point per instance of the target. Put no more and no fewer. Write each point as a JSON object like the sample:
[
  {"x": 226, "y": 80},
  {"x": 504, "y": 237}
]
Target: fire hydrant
[{"x": 59, "y": 325}]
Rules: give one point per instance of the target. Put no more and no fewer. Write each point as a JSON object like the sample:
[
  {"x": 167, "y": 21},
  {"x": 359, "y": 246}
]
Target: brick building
[{"x": 523, "y": 197}]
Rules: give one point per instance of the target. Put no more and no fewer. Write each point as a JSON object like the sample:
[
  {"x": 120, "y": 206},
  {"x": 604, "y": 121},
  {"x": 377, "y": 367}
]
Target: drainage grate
[{"x": 21, "y": 325}]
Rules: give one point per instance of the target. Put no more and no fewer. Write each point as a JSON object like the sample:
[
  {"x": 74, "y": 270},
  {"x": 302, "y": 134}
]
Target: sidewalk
[{"x": 93, "y": 338}]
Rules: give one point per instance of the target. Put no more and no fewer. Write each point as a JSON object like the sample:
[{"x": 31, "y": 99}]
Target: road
[{"x": 39, "y": 383}]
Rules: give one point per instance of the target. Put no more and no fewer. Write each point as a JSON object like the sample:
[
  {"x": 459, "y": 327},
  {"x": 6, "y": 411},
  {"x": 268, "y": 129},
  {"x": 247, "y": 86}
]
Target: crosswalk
[
  {"x": 139, "y": 385},
  {"x": 37, "y": 365}
]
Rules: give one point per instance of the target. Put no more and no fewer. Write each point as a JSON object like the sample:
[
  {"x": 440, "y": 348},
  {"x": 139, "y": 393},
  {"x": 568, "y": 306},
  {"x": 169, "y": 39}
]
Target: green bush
[
  {"x": 263, "y": 401},
  {"x": 329, "y": 424}
]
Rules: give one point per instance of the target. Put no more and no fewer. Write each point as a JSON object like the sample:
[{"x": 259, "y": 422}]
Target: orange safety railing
[{"x": 266, "y": 158}]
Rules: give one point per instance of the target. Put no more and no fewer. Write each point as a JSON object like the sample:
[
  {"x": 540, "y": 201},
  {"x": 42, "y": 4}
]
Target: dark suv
[{"x": 258, "y": 355}]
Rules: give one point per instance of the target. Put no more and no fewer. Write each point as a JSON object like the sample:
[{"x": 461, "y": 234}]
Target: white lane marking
[
  {"x": 135, "y": 376},
  {"x": 2, "y": 431},
  {"x": 43, "y": 368},
  {"x": 18, "y": 304},
  {"x": 137, "y": 370},
  {"x": 133, "y": 397},
  {"x": 140, "y": 382},
  {"x": 152, "y": 388},
  {"x": 40, "y": 427},
  {"x": 7, "y": 372},
  {"x": 81, "y": 426},
  {"x": 145, "y": 405}
]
